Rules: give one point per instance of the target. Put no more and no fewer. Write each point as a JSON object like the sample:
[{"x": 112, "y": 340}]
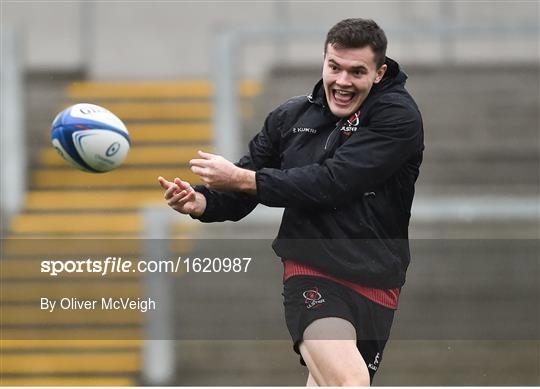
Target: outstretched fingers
[
  {"x": 164, "y": 183},
  {"x": 172, "y": 191},
  {"x": 182, "y": 184},
  {"x": 205, "y": 155},
  {"x": 205, "y": 160}
]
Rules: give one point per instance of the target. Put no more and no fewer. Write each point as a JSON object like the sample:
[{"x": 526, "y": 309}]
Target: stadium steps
[{"x": 168, "y": 123}]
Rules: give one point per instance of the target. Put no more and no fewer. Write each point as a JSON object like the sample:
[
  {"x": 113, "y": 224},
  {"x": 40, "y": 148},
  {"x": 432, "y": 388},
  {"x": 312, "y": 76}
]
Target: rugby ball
[{"x": 90, "y": 137}]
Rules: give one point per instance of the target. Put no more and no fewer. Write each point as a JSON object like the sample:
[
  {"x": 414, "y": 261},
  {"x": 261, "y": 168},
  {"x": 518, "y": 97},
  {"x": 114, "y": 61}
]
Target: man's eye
[{"x": 333, "y": 67}]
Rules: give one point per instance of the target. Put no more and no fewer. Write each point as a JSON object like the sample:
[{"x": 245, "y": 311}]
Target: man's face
[{"x": 348, "y": 75}]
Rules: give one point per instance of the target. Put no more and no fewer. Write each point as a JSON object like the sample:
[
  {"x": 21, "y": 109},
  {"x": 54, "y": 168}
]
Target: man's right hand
[{"x": 182, "y": 197}]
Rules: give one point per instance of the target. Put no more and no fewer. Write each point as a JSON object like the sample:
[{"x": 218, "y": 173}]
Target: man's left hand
[{"x": 219, "y": 173}]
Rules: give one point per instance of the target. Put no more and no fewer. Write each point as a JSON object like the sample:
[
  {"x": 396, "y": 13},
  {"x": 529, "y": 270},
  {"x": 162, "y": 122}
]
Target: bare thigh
[{"x": 329, "y": 350}]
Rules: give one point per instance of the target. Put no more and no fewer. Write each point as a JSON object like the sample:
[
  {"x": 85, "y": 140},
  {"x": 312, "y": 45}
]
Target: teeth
[{"x": 344, "y": 93}]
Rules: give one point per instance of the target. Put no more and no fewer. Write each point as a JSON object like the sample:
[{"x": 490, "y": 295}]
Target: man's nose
[{"x": 343, "y": 78}]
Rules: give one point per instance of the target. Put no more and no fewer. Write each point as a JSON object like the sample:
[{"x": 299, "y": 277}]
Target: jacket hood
[{"x": 394, "y": 76}]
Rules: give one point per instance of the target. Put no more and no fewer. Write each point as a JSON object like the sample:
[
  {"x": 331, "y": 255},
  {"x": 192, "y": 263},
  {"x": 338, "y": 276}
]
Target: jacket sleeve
[
  {"x": 263, "y": 152},
  {"x": 367, "y": 159}
]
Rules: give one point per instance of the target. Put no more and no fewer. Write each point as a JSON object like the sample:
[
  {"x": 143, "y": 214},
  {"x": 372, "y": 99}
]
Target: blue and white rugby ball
[{"x": 90, "y": 137}]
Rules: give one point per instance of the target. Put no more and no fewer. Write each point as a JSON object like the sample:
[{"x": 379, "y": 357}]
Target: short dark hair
[{"x": 358, "y": 33}]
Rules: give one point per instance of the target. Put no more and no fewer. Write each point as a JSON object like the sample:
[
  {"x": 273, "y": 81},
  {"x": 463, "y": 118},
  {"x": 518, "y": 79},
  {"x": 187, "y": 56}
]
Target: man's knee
[
  {"x": 342, "y": 378},
  {"x": 349, "y": 378}
]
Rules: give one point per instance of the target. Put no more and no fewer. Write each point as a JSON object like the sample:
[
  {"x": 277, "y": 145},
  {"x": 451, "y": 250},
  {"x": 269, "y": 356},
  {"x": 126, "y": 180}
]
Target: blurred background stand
[
  {"x": 13, "y": 152},
  {"x": 186, "y": 76}
]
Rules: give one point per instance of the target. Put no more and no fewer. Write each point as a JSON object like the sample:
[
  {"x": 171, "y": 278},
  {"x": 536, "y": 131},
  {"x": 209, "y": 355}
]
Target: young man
[{"x": 342, "y": 162}]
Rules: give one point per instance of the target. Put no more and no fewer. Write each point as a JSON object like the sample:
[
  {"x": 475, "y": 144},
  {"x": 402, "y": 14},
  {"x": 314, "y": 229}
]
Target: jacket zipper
[{"x": 329, "y": 135}]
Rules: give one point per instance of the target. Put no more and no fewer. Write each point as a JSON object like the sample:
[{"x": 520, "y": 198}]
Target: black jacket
[{"x": 347, "y": 185}]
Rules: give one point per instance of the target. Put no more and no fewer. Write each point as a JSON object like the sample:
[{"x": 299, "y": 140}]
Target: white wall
[
  {"x": 49, "y": 32},
  {"x": 165, "y": 39}
]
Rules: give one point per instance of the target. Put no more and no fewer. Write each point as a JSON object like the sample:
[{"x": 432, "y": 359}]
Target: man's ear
[{"x": 380, "y": 73}]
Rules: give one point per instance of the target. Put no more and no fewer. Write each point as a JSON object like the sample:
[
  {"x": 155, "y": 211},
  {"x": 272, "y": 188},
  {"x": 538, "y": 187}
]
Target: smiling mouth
[{"x": 342, "y": 97}]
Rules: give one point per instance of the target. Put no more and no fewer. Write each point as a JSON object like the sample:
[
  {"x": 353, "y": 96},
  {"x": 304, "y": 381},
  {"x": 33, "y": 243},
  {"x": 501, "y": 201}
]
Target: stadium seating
[{"x": 168, "y": 123}]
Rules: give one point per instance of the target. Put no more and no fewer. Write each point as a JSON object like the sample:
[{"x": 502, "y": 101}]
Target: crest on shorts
[{"x": 313, "y": 298}]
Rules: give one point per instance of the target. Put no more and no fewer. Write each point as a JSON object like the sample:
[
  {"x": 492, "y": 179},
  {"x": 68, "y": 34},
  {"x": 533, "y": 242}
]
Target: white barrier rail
[
  {"x": 13, "y": 159},
  {"x": 158, "y": 349}
]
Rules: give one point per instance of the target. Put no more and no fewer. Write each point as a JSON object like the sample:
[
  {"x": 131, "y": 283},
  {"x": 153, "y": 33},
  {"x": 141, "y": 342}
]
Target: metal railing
[
  {"x": 158, "y": 348},
  {"x": 13, "y": 159}
]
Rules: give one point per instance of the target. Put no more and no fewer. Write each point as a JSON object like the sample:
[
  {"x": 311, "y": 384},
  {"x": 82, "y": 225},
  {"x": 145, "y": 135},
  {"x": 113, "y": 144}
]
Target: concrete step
[
  {"x": 142, "y": 155},
  {"x": 20, "y": 345},
  {"x": 157, "y": 111},
  {"x": 238, "y": 363},
  {"x": 62, "y": 200},
  {"x": 136, "y": 178},
  {"x": 94, "y": 288},
  {"x": 14, "y": 316},
  {"x": 91, "y": 362},
  {"x": 460, "y": 363},
  {"x": 167, "y": 133},
  {"x": 82, "y": 90},
  {"x": 68, "y": 381},
  {"x": 474, "y": 190},
  {"x": 77, "y": 223}
]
